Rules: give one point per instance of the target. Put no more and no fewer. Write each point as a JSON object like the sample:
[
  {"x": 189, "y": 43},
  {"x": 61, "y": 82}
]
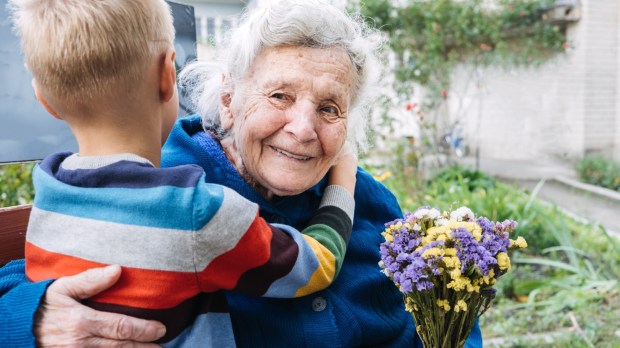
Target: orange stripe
[
  {"x": 252, "y": 250},
  {"x": 136, "y": 288}
]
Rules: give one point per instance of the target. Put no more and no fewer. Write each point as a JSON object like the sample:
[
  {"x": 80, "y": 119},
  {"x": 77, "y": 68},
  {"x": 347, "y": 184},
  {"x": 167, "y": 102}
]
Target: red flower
[
  {"x": 444, "y": 93},
  {"x": 485, "y": 47},
  {"x": 408, "y": 106},
  {"x": 566, "y": 45}
]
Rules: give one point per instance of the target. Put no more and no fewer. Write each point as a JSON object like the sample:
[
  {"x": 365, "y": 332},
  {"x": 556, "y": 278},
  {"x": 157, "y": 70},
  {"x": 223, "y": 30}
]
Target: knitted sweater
[
  {"x": 179, "y": 239},
  {"x": 361, "y": 308}
]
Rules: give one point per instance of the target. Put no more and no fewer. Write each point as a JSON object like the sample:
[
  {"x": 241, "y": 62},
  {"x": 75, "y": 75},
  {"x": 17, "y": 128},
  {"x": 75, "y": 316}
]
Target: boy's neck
[{"x": 108, "y": 138}]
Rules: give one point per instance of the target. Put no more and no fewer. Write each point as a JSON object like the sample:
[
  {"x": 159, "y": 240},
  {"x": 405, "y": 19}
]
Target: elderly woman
[{"x": 294, "y": 89}]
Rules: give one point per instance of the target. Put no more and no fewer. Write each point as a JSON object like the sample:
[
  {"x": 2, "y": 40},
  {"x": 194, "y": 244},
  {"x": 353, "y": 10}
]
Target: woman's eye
[
  {"x": 280, "y": 96},
  {"x": 331, "y": 113},
  {"x": 330, "y": 110}
]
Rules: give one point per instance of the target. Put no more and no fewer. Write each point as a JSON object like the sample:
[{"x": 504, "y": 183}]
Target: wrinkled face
[{"x": 289, "y": 116}]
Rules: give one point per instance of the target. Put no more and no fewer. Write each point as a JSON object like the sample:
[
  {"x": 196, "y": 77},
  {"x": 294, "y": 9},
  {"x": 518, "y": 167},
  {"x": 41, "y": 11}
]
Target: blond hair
[{"x": 77, "y": 50}]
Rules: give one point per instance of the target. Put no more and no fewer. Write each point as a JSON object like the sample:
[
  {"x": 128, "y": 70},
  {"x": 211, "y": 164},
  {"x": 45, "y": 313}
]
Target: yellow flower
[
  {"x": 472, "y": 227},
  {"x": 459, "y": 283},
  {"x": 460, "y": 306},
  {"x": 383, "y": 176},
  {"x": 490, "y": 278},
  {"x": 388, "y": 236},
  {"x": 431, "y": 252},
  {"x": 477, "y": 232},
  {"x": 503, "y": 261},
  {"x": 519, "y": 243},
  {"x": 410, "y": 305},
  {"x": 450, "y": 252},
  {"x": 443, "y": 304},
  {"x": 473, "y": 288},
  {"x": 452, "y": 262}
]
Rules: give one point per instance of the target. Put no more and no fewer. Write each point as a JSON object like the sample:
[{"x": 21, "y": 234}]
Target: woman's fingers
[
  {"x": 63, "y": 321},
  {"x": 86, "y": 284},
  {"x": 105, "y": 343},
  {"x": 124, "y": 328}
]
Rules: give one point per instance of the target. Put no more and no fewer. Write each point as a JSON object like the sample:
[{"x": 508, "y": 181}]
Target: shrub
[
  {"x": 598, "y": 170},
  {"x": 16, "y": 184}
]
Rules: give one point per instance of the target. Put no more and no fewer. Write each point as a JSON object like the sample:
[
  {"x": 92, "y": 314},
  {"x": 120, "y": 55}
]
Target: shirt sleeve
[
  {"x": 238, "y": 250},
  {"x": 18, "y": 305}
]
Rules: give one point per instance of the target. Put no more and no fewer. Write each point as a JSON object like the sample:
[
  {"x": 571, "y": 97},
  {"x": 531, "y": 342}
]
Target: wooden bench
[{"x": 13, "y": 224}]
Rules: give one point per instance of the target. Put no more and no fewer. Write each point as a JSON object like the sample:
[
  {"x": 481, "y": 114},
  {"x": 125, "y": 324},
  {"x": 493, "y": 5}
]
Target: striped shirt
[{"x": 179, "y": 240}]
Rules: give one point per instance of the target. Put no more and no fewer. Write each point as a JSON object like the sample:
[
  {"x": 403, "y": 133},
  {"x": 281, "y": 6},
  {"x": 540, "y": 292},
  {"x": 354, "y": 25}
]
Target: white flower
[
  {"x": 434, "y": 213},
  {"x": 416, "y": 227},
  {"x": 420, "y": 213},
  {"x": 441, "y": 221},
  {"x": 462, "y": 213},
  {"x": 425, "y": 212}
]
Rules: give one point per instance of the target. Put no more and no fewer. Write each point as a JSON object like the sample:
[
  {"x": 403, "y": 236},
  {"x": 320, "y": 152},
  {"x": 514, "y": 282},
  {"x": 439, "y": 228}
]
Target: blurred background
[{"x": 511, "y": 107}]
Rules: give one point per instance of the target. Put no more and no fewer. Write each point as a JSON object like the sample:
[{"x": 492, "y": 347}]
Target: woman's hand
[{"x": 63, "y": 321}]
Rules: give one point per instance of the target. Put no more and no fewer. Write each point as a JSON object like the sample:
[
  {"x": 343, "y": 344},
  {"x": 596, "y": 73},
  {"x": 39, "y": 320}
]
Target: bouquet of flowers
[{"x": 446, "y": 264}]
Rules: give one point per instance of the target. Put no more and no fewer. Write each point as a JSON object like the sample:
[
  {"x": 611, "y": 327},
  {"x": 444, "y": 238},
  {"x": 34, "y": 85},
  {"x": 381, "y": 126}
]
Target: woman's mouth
[{"x": 291, "y": 155}]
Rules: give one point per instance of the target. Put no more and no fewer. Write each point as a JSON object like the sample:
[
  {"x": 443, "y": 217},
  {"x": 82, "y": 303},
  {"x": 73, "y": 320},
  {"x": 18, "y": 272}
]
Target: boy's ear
[
  {"x": 168, "y": 79},
  {"x": 226, "y": 115},
  {"x": 43, "y": 101}
]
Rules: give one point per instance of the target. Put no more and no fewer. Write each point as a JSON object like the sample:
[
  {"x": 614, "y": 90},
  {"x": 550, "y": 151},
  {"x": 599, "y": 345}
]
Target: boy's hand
[
  {"x": 344, "y": 172},
  {"x": 63, "y": 321}
]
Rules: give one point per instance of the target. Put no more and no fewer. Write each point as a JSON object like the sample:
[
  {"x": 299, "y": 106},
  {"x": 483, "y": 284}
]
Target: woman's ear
[
  {"x": 43, "y": 101},
  {"x": 168, "y": 79},
  {"x": 226, "y": 115}
]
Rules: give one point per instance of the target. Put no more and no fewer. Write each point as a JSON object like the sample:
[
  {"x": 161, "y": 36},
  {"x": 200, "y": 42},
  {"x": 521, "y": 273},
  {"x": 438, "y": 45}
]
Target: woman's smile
[{"x": 290, "y": 155}]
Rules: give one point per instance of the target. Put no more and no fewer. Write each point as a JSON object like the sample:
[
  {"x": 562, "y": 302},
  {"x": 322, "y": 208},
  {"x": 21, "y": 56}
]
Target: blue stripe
[
  {"x": 126, "y": 174},
  {"x": 163, "y": 206},
  {"x": 306, "y": 264}
]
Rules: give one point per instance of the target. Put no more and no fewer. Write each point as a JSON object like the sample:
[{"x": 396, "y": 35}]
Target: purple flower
[{"x": 471, "y": 253}]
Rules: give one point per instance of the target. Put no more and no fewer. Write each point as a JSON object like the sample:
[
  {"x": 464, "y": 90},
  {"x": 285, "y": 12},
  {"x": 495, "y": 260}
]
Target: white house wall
[{"x": 566, "y": 108}]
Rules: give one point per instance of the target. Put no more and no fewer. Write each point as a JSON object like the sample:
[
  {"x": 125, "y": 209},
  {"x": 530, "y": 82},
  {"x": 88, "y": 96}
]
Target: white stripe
[
  {"x": 139, "y": 246},
  {"x": 110, "y": 242},
  {"x": 225, "y": 229}
]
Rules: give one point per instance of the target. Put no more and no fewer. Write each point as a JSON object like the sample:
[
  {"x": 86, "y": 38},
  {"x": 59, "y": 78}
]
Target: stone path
[{"x": 559, "y": 186}]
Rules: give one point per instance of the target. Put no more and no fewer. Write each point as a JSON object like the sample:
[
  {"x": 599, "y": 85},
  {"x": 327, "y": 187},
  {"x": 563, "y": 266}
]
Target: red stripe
[
  {"x": 138, "y": 288},
  {"x": 252, "y": 250}
]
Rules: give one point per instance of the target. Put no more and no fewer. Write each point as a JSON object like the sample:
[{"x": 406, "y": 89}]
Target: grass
[{"x": 562, "y": 291}]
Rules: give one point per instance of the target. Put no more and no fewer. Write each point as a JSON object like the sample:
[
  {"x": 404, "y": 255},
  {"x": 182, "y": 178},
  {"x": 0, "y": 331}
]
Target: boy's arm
[
  {"x": 238, "y": 250},
  {"x": 332, "y": 224}
]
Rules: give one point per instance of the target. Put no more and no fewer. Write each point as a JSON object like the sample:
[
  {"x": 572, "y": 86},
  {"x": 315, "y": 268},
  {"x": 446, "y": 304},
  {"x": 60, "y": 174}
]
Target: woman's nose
[{"x": 301, "y": 122}]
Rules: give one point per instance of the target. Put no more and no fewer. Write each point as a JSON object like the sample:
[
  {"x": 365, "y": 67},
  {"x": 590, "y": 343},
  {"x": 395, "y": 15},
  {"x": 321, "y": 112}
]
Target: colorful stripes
[{"x": 179, "y": 241}]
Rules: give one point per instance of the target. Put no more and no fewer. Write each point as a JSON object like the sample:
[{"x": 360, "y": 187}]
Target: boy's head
[{"x": 80, "y": 51}]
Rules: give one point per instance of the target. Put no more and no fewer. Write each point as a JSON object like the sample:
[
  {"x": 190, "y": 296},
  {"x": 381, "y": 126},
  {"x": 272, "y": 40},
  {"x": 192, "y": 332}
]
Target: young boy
[{"x": 107, "y": 69}]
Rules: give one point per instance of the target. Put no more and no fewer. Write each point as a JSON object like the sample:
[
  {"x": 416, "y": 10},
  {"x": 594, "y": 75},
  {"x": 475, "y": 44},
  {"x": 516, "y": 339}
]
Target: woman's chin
[{"x": 283, "y": 188}]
